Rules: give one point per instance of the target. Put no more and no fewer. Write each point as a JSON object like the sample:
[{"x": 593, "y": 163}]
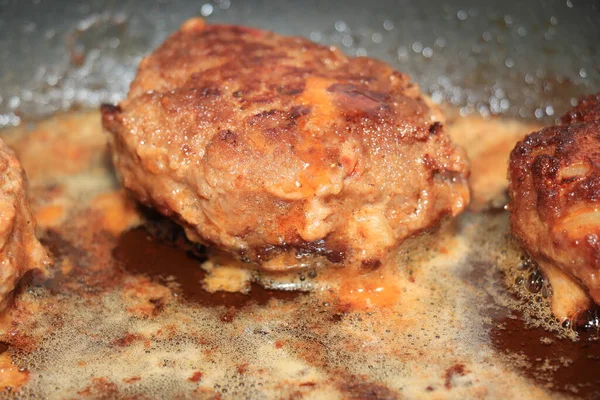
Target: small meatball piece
[
  {"x": 264, "y": 145},
  {"x": 20, "y": 251},
  {"x": 555, "y": 205}
]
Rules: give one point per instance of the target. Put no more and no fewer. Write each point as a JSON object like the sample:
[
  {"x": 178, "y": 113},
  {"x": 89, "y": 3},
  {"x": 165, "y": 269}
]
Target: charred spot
[
  {"x": 435, "y": 128},
  {"x": 370, "y": 265},
  {"x": 320, "y": 247},
  {"x": 237, "y": 94}
]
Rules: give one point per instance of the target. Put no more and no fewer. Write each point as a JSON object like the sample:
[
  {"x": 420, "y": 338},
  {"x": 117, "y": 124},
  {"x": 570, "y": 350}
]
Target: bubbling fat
[
  {"x": 417, "y": 327},
  {"x": 315, "y": 345}
]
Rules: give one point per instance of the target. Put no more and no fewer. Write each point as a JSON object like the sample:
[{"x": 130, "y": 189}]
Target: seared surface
[
  {"x": 258, "y": 143},
  {"x": 555, "y": 192},
  {"x": 20, "y": 251}
]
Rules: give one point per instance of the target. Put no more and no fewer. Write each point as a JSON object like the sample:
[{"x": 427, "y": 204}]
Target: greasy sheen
[
  {"x": 555, "y": 204},
  {"x": 20, "y": 251},
  {"x": 259, "y": 144}
]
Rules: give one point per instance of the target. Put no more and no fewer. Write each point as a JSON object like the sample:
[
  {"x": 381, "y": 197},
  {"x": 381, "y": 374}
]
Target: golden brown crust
[
  {"x": 256, "y": 143},
  {"x": 555, "y": 194},
  {"x": 20, "y": 251},
  {"x": 587, "y": 110}
]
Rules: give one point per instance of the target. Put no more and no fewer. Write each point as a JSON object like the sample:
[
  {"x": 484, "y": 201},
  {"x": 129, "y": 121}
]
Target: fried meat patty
[
  {"x": 555, "y": 204},
  {"x": 259, "y": 144},
  {"x": 20, "y": 251}
]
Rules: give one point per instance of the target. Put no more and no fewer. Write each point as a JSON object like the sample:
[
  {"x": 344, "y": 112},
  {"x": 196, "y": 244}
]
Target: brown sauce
[
  {"x": 140, "y": 252},
  {"x": 559, "y": 364}
]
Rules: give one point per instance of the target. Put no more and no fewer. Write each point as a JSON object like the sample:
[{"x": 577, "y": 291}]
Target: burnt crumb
[
  {"x": 370, "y": 265},
  {"x": 435, "y": 128}
]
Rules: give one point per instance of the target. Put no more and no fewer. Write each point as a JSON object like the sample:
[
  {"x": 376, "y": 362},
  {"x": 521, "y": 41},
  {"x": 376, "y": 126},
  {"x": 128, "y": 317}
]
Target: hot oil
[
  {"x": 177, "y": 261},
  {"x": 560, "y": 356},
  {"x": 125, "y": 316}
]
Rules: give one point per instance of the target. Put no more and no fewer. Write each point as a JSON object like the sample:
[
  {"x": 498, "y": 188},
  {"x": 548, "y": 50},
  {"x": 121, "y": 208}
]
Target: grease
[
  {"x": 559, "y": 363},
  {"x": 139, "y": 252}
]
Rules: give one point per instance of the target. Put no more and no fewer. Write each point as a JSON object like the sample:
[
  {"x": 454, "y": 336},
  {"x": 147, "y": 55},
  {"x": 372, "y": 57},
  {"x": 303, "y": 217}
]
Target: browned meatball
[
  {"x": 261, "y": 144},
  {"x": 20, "y": 251},
  {"x": 555, "y": 205}
]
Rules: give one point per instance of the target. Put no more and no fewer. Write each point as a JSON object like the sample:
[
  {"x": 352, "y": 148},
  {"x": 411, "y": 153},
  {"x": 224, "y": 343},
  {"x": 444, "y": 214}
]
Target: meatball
[
  {"x": 555, "y": 205},
  {"x": 20, "y": 251},
  {"x": 264, "y": 145}
]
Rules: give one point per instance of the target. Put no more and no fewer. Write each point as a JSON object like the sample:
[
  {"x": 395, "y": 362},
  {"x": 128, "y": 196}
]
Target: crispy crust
[
  {"x": 307, "y": 148},
  {"x": 587, "y": 110},
  {"x": 20, "y": 251},
  {"x": 555, "y": 194}
]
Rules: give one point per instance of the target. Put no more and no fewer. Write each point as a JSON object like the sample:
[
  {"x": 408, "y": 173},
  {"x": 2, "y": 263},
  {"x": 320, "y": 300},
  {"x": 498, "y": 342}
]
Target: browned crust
[
  {"x": 20, "y": 251},
  {"x": 239, "y": 121},
  {"x": 587, "y": 110},
  {"x": 555, "y": 194}
]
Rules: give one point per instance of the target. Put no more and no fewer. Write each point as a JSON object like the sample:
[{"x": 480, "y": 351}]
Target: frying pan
[
  {"x": 528, "y": 60},
  {"x": 524, "y": 60}
]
